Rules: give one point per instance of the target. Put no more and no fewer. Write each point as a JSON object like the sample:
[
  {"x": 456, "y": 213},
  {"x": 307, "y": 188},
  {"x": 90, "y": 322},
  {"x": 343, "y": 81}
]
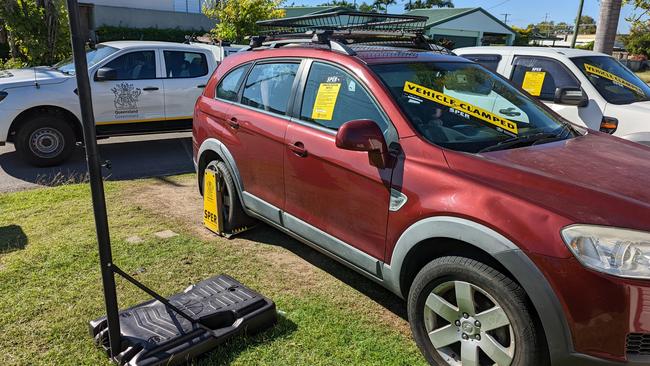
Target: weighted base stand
[{"x": 153, "y": 333}]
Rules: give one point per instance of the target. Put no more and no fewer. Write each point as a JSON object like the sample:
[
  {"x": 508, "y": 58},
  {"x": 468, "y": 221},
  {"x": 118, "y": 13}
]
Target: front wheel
[
  {"x": 233, "y": 213},
  {"x": 45, "y": 140},
  {"x": 465, "y": 313}
]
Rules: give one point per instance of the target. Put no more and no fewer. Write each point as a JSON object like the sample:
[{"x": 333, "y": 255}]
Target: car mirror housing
[
  {"x": 364, "y": 135},
  {"x": 106, "y": 73},
  {"x": 571, "y": 96}
]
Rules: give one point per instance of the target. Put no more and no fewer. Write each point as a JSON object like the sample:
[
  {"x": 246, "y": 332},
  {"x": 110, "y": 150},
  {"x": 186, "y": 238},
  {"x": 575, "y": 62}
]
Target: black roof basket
[{"x": 340, "y": 28}]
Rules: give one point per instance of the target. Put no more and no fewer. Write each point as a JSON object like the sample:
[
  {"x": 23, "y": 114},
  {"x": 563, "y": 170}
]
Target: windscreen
[
  {"x": 92, "y": 55},
  {"x": 616, "y": 83},
  {"x": 462, "y": 106}
]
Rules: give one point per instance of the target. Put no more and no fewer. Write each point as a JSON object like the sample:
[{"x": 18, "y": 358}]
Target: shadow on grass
[
  {"x": 12, "y": 238},
  {"x": 268, "y": 235},
  {"x": 227, "y": 352}
]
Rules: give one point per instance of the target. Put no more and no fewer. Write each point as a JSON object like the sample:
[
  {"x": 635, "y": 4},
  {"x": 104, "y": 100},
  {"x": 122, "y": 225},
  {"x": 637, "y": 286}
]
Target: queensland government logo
[{"x": 126, "y": 99}]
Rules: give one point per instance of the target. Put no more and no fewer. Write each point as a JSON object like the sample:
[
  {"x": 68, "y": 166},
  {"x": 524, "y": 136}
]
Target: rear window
[
  {"x": 229, "y": 85},
  {"x": 490, "y": 62},
  {"x": 268, "y": 86},
  {"x": 179, "y": 64}
]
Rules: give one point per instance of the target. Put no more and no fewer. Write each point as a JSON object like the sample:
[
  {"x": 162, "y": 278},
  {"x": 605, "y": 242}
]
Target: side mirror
[
  {"x": 106, "y": 73},
  {"x": 571, "y": 96},
  {"x": 364, "y": 135}
]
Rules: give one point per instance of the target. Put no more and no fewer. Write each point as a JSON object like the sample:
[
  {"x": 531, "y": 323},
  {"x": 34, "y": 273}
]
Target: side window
[
  {"x": 179, "y": 64},
  {"x": 229, "y": 85},
  {"x": 268, "y": 86},
  {"x": 138, "y": 65},
  {"x": 333, "y": 97},
  {"x": 490, "y": 62},
  {"x": 540, "y": 77}
]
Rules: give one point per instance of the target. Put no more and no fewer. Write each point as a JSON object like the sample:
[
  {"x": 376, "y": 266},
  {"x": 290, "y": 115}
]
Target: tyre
[
  {"x": 45, "y": 140},
  {"x": 233, "y": 213},
  {"x": 463, "y": 312}
]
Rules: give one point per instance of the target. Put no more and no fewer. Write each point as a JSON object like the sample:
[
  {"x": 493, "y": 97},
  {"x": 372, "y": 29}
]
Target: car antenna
[
  {"x": 35, "y": 78},
  {"x": 182, "y": 326}
]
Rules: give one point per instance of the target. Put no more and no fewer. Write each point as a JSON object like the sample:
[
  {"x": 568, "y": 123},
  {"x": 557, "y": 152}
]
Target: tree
[
  {"x": 426, "y": 4},
  {"x": 523, "y": 35},
  {"x": 37, "y": 30},
  {"x": 340, "y": 3},
  {"x": 367, "y": 8},
  {"x": 587, "y": 25},
  {"x": 638, "y": 41},
  {"x": 608, "y": 26},
  {"x": 382, "y": 5},
  {"x": 237, "y": 19}
]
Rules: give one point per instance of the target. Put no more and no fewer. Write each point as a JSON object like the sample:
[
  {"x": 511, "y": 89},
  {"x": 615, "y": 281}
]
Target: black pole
[{"x": 95, "y": 175}]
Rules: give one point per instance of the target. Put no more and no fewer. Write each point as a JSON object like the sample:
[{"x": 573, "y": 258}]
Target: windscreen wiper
[{"x": 521, "y": 140}]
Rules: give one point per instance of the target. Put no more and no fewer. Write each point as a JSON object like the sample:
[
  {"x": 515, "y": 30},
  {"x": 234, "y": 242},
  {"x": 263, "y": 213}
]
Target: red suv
[{"x": 516, "y": 237}]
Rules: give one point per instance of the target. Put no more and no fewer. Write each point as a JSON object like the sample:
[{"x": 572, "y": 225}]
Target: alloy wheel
[{"x": 467, "y": 326}]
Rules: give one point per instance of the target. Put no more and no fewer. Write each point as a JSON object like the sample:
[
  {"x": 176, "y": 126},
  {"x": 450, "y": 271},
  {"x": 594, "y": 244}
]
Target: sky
[{"x": 521, "y": 12}]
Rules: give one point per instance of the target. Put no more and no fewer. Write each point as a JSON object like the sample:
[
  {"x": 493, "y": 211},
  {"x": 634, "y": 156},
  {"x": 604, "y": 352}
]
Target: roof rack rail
[
  {"x": 342, "y": 28},
  {"x": 345, "y": 19}
]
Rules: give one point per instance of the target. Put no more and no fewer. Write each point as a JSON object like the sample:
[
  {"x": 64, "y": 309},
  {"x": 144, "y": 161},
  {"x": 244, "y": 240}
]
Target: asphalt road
[{"x": 131, "y": 157}]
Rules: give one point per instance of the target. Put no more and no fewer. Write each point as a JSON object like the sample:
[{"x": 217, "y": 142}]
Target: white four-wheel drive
[
  {"x": 137, "y": 87},
  {"x": 585, "y": 87}
]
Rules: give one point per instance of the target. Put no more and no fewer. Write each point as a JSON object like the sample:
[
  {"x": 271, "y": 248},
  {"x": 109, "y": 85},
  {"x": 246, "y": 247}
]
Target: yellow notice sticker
[
  {"x": 617, "y": 79},
  {"x": 210, "y": 205},
  {"x": 533, "y": 82},
  {"x": 325, "y": 101},
  {"x": 501, "y": 124}
]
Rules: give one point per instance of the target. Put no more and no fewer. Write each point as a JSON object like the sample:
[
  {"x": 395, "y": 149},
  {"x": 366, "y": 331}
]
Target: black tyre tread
[
  {"x": 36, "y": 120},
  {"x": 518, "y": 300},
  {"x": 237, "y": 217}
]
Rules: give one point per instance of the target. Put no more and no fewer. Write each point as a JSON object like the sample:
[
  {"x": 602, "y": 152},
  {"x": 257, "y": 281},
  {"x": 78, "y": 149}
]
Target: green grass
[
  {"x": 50, "y": 285},
  {"x": 644, "y": 75}
]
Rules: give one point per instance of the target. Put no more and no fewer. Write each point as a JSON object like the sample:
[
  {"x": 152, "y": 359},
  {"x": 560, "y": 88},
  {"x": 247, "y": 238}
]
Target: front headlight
[
  {"x": 3, "y": 95},
  {"x": 619, "y": 252}
]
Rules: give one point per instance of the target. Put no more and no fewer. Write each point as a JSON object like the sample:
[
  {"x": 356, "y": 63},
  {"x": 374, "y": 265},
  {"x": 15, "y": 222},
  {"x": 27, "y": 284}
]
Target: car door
[
  {"x": 258, "y": 125},
  {"x": 541, "y": 76},
  {"x": 334, "y": 197},
  {"x": 132, "y": 98},
  {"x": 186, "y": 74}
]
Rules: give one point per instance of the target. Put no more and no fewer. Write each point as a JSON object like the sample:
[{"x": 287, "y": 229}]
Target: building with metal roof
[{"x": 465, "y": 27}]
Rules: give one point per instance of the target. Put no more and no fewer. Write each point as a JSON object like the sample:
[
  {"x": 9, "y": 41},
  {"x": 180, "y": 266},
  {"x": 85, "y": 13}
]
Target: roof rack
[
  {"x": 345, "y": 19},
  {"x": 341, "y": 28}
]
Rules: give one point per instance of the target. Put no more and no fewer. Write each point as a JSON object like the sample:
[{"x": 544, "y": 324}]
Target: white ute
[
  {"x": 137, "y": 87},
  {"x": 588, "y": 88}
]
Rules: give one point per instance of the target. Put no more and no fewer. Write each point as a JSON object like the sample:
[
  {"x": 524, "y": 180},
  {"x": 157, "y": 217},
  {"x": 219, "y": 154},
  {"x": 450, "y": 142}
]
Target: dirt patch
[{"x": 306, "y": 270}]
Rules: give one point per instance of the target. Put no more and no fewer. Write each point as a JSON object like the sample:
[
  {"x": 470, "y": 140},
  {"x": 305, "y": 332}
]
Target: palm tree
[
  {"x": 420, "y": 4},
  {"x": 610, "y": 10},
  {"x": 383, "y": 4}
]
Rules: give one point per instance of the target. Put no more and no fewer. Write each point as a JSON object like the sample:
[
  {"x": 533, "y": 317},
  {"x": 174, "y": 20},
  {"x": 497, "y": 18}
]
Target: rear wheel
[
  {"x": 45, "y": 140},
  {"x": 463, "y": 312},
  {"x": 233, "y": 213}
]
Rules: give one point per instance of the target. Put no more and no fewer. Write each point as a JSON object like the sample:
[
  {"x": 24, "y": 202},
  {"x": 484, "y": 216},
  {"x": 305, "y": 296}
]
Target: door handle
[
  {"x": 233, "y": 123},
  {"x": 150, "y": 88},
  {"x": 298, "y": 148},
  {"x": 201, "y": 86}
]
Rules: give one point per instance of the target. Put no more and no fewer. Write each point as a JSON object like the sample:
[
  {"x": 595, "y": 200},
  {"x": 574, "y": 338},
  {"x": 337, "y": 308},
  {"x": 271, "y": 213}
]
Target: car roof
[
  {"x": 138, "y": 44},
  {"x": 567, "y": 52}
]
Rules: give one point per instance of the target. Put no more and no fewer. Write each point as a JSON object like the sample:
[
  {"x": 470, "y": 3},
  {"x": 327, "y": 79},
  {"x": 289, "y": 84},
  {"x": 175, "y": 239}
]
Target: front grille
[{"x": 638, "y": 344}]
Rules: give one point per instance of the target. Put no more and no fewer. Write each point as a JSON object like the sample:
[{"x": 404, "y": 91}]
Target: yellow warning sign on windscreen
[
  {"x": 533, "y": 82},
  {"x": 499, "y": 123},
  {"x": 325, "y": 101},
  {"x": 615, "y": 78}
]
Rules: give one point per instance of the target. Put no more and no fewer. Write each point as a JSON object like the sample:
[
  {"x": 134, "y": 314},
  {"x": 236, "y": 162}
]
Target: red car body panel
[{"x": 527, "y": 194}]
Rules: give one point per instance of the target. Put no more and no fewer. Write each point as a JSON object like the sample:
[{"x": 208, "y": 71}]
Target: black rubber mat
[{"x": 153, "y": 334}]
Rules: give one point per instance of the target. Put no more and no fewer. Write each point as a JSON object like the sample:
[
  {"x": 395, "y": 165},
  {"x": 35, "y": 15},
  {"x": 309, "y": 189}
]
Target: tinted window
[
  {"x": 229, "y": 85},
  {"x": 333, "y": 97},
  {"x": 461, "y": 106},
  {"x": 134, "y": 66},
  {"x": 490, "y": 62},
  {"x": 615, "y": 82},
  {"x": 185, "y": 64},
  {"x": 540, "y": 77},
  {"x": 268, "y": 86}
]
